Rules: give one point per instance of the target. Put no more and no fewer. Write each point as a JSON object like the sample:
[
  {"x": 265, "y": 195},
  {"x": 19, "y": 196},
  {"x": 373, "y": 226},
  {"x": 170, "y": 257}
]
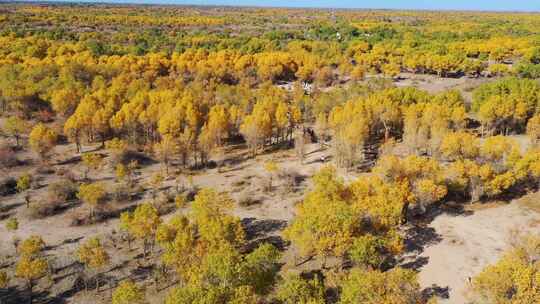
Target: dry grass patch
[{"x": 531, "y": 201}]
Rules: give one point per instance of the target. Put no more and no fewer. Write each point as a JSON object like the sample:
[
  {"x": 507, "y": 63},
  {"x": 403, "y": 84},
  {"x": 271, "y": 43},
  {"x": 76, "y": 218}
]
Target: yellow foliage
[
  {"x": 42, "y": 139},
  {"x": 92, "y": 254},
  {"x": 459, "y": 145},
  {"x": 128, "y": 292},
  {"x": 515, "y": 278}
]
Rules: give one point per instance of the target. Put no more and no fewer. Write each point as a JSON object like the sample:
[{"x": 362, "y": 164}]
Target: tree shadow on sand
[
  {"x": 259, "y": 231},
  {"x": 436, "y": 291},
  {"x": 15, "y": 295}
]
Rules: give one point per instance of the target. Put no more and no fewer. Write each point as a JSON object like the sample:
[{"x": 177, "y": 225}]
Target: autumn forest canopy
[{"x": 162, "y": 135}]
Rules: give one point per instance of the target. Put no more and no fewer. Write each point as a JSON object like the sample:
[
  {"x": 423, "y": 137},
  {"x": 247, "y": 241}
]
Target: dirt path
[{"x": 460, "y": 246}]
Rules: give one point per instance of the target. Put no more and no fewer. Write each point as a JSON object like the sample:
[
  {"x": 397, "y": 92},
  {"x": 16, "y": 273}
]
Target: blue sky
[{"x": 498, "y": 5}]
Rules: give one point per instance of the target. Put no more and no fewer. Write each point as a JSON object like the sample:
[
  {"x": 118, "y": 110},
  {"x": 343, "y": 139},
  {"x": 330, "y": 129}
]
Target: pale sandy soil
[
  {"x": 434, "y": 84},
  {"x": 459, "y": 246}
]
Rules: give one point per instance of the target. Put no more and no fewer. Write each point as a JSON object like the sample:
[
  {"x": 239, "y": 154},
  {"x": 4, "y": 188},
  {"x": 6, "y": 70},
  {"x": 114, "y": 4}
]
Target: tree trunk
[
  {"x": 78, "y": 144},
  {"x": 482, "y": 131},
  {"x": 386, "y": 132},
  {"x": 102, "y": 141},
  {"x": 144, "y": 248},
  {"x": 404, "y": 213},
  {"x": 30, "y": 291},
  {"x": 129, "y": 242}
]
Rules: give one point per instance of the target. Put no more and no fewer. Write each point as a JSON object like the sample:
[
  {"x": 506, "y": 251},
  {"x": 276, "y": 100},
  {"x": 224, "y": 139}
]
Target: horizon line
[{"x": 260, "y": 6}]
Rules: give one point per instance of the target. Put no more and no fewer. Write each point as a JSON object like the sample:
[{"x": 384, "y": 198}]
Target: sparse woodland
[{"x": 155, "y": 136}]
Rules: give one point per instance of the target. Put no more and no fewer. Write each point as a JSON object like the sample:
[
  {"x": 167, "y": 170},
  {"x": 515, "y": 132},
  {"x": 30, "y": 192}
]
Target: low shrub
[
  {"x": 62, "y": 191},
  {"x": 24, "y": 182},
  {"x": 12, "y": 224},
  {"x": 247, "y": 200},
  {"x": 291, "y": 179},
  {"x": 8, "y": 158},
  {"x": 121, "y": 193},
  {"x": 40, "y": 210}
]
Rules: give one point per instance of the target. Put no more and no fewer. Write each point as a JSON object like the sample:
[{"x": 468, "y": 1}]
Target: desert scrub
[
  {"x": 247, "y": 200},
  {"x": 24, "y": 182},
  {"x": 12, "y": 224},
  {"x": 62, "y": 191}
]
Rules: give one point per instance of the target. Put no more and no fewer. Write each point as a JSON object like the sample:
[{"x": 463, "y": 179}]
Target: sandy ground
[{"x": 458, "y": 247}]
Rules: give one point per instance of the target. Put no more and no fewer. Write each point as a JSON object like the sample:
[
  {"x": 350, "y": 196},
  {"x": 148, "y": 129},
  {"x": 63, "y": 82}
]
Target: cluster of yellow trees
[
  {"x": 363, "y": 227},
  {"x": 204, "y": 249},
  {"x": 506, "y": 105},
  {"x": 181, "y": 83},
  {"x": 376, "y": 205},
  {"x": 189, "y": 115},
  {"x": 187, "y": 101},
  {"x": 515, "y": 278},
  {"x": 421, "y": 119}
]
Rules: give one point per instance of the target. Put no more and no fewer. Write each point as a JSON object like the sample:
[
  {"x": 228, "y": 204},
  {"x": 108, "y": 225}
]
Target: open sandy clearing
[{"x": 457, "y": 247}]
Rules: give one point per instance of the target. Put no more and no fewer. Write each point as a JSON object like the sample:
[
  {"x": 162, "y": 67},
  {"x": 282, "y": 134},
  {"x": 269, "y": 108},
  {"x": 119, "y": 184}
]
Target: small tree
[
  {"x": 27, "y": 199},
  {"x": 321, "y": 128},
  {"x": 93, "y": 256},
  {"x": 156, "y": 182},
  {"x": 128, "y": 292},
  {"x": 15, "y": 127},
  {"x": 370, "y": 286},
  {"x": 533, "y": 129},
  {"x": 31, "y": 265},
  {"x": 126, "y": 172},
  {"x": 358, "y": 73},
  {"x": 294, "y": 289},
  {"x": 165, "y": 150},
  {"x": 142, "y": 224},
  {"x": 180, "y": 201},
  {"x": 254, "y": 129},
  {"x": 4, "y": 279},
  {"x": 118, "y": 148},
  {"x": 12, "y": 224},
  {"x": 92, "y": 195},
  {"x": 31, "y": 246},
  {"x": 300, "y": 146},
  {"x": 272, "y": 168},
  {"x": 125, "y": 220},
  {"x": 120, "y": 171},
  {"x": 42, "y": 139},
  {"x": 24, "y": 182},
  {"x": 91, "y": 161},
  {"x": 30, "y": 269}
]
